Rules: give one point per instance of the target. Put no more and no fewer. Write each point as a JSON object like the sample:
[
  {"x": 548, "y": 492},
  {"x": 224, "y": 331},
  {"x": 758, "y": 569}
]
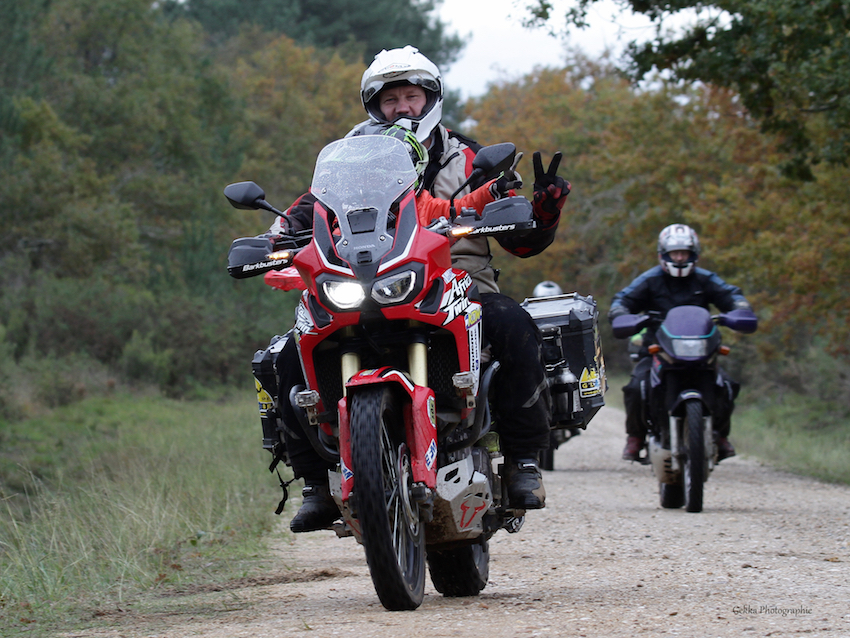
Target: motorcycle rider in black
[
  {"x": 404, "y": 87},
  {"x": 676, "y": 281}
]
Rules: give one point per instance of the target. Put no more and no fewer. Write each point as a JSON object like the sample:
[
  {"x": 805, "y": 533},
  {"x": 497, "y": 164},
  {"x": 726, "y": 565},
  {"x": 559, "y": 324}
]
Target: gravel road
[{"x": 769, "y": 556}]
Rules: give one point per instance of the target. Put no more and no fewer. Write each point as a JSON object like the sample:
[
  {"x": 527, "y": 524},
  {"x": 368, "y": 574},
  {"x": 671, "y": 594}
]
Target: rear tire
[
  {"x": 392, "y": 533},
  {"x": 462, "y": 571},
  {"x": 695, "y": 470}
]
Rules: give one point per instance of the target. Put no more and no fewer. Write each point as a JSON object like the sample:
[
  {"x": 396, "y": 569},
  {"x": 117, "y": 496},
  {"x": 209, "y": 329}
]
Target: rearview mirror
[
  {"x": 244, "y": 195},
  {"x": 248, "y": 196},
  {"x": 495, "y": 159}
]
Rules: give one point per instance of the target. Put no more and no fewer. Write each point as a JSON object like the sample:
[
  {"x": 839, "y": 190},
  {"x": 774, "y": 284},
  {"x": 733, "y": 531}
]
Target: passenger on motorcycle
[
  {"x": 676, "y": 281},
  {"x": 404, "y": 87}
]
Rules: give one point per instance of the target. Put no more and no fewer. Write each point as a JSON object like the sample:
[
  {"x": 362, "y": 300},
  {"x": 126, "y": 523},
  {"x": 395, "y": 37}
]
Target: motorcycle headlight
[
  {"x": 690, "y": 347},
  {"x": 394, "y": 288},
  {"x": 345, "y": 295}
]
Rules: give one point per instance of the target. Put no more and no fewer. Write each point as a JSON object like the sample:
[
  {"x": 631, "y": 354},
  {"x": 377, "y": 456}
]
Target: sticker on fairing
[
  {"x": 346, "y": 473},
  {"x": 264, "y": 398},
  {"x": 431, "y": 454},
  {"x": 448, "y": 275},
  {"x": 455, "y": 302},
  {"x": 473, "y": 316},
  {"x": 590, "y": 384},
  {"x": 303, "y": 321},
  {"x": 432, "y": 411},
  {"x": 475, "y": 354}
]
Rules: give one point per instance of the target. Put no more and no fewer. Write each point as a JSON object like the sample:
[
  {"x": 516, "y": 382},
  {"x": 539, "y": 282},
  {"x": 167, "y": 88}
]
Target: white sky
[{"x": 499, "y": 47}]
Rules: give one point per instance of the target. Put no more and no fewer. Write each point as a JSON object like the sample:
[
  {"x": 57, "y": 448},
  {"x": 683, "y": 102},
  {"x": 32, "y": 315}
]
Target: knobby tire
[{"x": 393, "y": 536}]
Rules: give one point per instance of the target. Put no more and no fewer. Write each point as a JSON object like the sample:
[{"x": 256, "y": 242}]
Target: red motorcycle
[{"x": 389, "y": 336}]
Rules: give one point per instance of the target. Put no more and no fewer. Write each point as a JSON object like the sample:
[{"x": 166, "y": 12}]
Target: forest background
[{"x": 122, "y": 120}]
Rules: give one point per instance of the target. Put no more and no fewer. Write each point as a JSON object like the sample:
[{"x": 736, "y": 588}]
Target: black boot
[
  {"x": 525, "y": 484},
  {"x": 318, "y": 509}
]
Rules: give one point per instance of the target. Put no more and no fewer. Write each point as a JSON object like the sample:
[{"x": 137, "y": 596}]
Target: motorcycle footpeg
[{"x": 514, "y": 523}]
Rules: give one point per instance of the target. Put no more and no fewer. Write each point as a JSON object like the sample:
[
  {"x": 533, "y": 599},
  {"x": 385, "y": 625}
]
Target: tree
[
  {"x": 640, "y": 160},
  {"x": 360, "y": 27},
  {"x": 789, "y": 60}
]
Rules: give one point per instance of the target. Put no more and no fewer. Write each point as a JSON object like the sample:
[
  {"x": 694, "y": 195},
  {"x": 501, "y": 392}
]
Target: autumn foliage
[{"x": 641, "y": 159}]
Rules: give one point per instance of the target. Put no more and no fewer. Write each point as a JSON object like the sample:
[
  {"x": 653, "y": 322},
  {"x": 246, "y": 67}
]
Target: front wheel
[
  {"x": 671, "y": 496},
  {"x": 393, "y": 536},
  {"x": 695, "y": 473}
]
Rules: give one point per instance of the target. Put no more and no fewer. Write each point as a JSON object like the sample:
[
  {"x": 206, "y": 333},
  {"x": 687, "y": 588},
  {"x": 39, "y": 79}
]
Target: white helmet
[
  {"x": 398, "y": 67},
  {"x": 678, "y": 237},
  {"x": 547, "y": 289}
]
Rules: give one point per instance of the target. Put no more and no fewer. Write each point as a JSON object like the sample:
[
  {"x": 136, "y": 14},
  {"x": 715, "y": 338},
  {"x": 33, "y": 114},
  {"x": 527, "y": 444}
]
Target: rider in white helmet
[
  {"x": 678, "y": 250},
  {"x": 393, "y": 75}
]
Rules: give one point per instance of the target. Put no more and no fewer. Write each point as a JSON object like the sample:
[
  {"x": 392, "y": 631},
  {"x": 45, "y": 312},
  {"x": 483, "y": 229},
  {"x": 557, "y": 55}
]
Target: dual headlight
[{"x": 348, "y": 295}]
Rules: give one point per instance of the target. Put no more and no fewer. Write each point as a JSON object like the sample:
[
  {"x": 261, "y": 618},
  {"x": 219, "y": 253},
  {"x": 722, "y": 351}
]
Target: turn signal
[
  {"x": 654, "y": 349},
  {"x": 724, "y": 350}
]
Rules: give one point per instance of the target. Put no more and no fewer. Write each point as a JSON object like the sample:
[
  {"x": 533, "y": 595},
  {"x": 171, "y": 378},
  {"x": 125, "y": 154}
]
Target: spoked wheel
[
  {"x": 462, "y": 571},
  {"x": 695, "y": 471},
  {"x": 392, "y": 534}
]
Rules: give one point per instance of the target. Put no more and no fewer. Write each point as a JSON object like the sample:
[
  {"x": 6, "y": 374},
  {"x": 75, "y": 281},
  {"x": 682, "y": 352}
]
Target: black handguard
[{"x": 250, "y": 256}]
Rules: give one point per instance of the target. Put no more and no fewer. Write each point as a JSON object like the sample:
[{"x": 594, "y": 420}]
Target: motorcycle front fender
[
  {"x": 420, "y": 418},
  {"x": 686, "y": 395}
]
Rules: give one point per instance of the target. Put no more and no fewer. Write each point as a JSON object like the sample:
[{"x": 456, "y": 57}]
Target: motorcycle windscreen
[
  {"x": 359, "y": 179},
  {"x": 688, "y": 333}
]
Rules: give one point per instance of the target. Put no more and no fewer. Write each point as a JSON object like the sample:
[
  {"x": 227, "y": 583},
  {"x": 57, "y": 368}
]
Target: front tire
[
  {"x": 695, "y": 471},
  {"x": 672, "y": 496},
  {"x": 463, "y": 571},
  {"x": 392, "y": 533}
]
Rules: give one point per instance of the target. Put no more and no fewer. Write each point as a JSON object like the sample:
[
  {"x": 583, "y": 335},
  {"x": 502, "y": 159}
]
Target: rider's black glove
[{"x": 550, "y": 190}]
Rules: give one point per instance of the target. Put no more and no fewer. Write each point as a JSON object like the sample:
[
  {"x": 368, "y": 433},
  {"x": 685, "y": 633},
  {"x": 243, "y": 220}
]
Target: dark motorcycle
[{"x": 683, "y": 395}]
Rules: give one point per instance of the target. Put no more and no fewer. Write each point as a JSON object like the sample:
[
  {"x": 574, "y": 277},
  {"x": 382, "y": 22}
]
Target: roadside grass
[
  {"x": 797, "y": 434},
  {"x": 115, "y": 496}
]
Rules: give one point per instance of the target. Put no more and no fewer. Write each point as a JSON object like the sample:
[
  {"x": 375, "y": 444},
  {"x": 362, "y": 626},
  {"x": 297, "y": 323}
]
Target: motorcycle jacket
[
  {"x": 654, "y": 290},
  {"x": 450, "y": 164}
]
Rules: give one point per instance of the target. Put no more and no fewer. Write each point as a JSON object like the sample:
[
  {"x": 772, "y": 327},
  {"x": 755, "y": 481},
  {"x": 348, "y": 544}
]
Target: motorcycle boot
[
  {"x": 318, "y": 509},
  {"x": 725, "y": 449},
  {"x": 525, "y": 484},
  {"x": 634, "y": 445}
]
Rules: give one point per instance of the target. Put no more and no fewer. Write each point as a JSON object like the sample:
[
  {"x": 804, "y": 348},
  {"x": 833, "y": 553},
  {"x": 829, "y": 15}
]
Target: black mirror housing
[
  {"x": 495, "y": 159},
  {"x": 245, "y": 196}
]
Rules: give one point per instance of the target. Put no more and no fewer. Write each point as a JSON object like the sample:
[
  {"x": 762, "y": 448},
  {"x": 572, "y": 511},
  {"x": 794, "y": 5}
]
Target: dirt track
[{"x": 769, "y": 556}]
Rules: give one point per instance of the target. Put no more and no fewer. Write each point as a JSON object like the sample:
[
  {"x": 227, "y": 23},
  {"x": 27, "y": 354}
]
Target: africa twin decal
[{"x": 455, "y": 302}]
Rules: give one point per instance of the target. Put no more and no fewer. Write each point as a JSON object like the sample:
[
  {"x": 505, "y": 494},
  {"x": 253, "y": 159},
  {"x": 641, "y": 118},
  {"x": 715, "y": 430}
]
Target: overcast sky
[{"x": 498, "y": 47}]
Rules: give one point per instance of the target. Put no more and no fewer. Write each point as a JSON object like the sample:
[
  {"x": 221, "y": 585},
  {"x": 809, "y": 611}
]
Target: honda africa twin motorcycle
[
  {"x": 683, "y": 395},
  {"x": 390, "y": 340}
]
